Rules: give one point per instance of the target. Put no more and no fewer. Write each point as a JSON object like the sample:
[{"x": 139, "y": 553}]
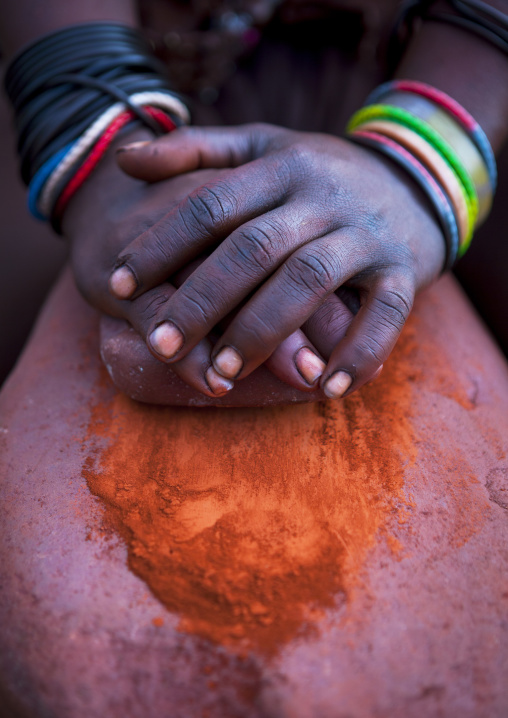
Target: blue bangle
[{"x": 36, "y": 185}]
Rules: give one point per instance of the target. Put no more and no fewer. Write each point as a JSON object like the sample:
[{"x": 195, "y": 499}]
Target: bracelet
[
  {"x": 88, "y": 139},
  {"x": 99, "y": 150},
  {"x": 474, "y": 16},
  {"x": 39, "y": 180},
  {"x": 61, "y": 84},
  {"x": 451, "y": 107},
  {"x": 431, "y": 135},
  {"x": 438, "y": 199},
  {"x": 434, "y": 163},
  {"x": 377, "y": 112},
  {"x": 457, "y": 140}
]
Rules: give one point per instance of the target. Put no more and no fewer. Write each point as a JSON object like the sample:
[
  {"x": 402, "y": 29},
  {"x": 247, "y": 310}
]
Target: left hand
[{"x": 298, "y": 217}]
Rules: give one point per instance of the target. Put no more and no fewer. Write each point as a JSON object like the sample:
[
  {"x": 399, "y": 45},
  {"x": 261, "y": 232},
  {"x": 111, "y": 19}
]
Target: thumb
[{"x": 187, "y": 149}]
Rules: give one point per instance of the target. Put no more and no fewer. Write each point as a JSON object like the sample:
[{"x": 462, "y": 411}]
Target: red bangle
[
  {"x": 162, "y": 118},
  {"x": 440, "y": 98},
  {"x": 100, "y": 149}
]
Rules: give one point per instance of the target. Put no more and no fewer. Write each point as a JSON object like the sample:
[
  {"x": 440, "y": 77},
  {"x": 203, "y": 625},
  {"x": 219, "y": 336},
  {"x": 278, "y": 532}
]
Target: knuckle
[
  {"x": 328, "y": 319},
  {"x": 145, "y": 309},
  {"x": 311, "y": 271},
  {"x": 372, "y": 347},
  {"x": 256, "y": 248},
  {"x": 156, "y": 248},
  {"x": 208, "y": 208},
  {"x": 300, "y": 155},
  {"x": 294, "y": 165},
  {"x": 392, "y": 307},
  {"x": 374, "y": 221},
  {"x": 199, "y": 305},
  {"x": 256, "y": 332}
]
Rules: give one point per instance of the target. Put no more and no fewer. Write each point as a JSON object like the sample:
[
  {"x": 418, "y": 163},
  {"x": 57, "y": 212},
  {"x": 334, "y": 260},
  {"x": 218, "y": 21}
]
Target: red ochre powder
[{"x": 249, "y": 523}]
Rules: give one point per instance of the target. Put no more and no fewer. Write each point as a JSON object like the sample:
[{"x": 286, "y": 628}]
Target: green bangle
[
  {"x": 458, "y": 139},
  {"x": 397, "y": 114}
]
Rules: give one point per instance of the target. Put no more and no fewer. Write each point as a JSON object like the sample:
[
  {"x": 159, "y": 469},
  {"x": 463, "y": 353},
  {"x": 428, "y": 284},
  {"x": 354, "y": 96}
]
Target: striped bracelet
[
  {"x": 431, "y": 188},
  {"x": 432, "y": 161},
  {"x": 443, "y": 141},
  {"x": 452, "y": 107},
  {"x": 403, "y": 117},
  {"x": 98, "y": 152},
  {"x": 54, "y": 177},
  {"x": 455, "y": 136}
]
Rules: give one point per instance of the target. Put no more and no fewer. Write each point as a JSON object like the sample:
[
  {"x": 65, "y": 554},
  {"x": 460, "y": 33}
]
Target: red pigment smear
[{"x": 249, "y": 523}]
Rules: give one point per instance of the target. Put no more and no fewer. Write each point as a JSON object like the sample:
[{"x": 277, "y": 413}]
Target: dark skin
[
  {"x": 123, "y": 209},
  {"x": 325, "y": 213},
  {"x": 332, "y": 216}
]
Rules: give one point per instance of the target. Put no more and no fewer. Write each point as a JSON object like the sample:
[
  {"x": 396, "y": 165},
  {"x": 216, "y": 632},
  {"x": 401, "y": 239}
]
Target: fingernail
[
  {"x": 133, "y": 146},
  {"x": 217, "y": 383},
  {"x": 228, "y": 362},
  {"x": 337, "y": 385},
  {"x": 123, "y": 283},
  {"x": 166, "y": 340},
  {"x": 309, "y": 365}
]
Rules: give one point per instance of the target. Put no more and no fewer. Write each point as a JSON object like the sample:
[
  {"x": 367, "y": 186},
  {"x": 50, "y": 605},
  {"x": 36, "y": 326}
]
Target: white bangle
[{"x": 165, "y": 101}]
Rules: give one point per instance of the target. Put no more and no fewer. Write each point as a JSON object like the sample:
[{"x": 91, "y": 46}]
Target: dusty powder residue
[{"x": 247, "y": 523}]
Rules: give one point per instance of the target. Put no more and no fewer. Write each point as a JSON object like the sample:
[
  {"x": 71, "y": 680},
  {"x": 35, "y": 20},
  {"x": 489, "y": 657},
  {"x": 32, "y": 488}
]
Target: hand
[
  {"x": 111, "y": 210},
  {"x": 297, "y": 217}
]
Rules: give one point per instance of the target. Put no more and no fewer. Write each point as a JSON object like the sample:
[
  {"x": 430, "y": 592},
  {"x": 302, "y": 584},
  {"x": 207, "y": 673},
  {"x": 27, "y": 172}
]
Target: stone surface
[
  {"x": 142, "y": 377},
  {"x": 413, "y": 622}
]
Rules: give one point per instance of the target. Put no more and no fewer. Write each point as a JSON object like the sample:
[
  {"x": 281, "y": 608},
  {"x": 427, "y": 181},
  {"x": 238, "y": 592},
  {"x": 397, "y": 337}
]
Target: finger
[
  {"x": 192, "y": 148},
  {"x": 297, "y": 363},
  {"x": 205, "y": 217},
  {"x": 328, "y": 325},
  {"x": 284, "y": 303},
  {"x": 195, "y": 368},
  {"x": 234, "y": 270},
  {"x": 136, "y": 373},
  {"x": 371, "y": 337}
]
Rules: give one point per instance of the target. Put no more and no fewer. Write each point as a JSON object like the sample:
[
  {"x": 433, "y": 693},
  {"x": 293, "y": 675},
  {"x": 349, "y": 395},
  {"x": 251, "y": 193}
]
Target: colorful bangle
[
  {"x": 100, "y": 149},
  {"x": 453, "y": 108},
  {"x": 60, "y": 84},
  {"x": 91, "y": 162},
  {"x": 459, "y": 141},
  {"x": 438, "y": 199},
  {"x": 50, "y": 191},
  {"x": 39, "y": 180},
  {"x": 434, "y": 163},
  {"x": 397, "y": 114}
]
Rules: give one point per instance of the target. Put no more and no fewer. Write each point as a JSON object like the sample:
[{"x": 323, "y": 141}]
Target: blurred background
[{"x": 31, "y": 255}]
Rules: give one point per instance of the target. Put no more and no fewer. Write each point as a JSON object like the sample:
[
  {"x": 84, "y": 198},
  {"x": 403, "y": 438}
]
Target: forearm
[
  {"x": 23, "y": 21},
  {"x": 468, "y": 68}
]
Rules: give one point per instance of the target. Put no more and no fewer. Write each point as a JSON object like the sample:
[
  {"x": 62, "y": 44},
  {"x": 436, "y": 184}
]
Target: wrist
[
  {"x": 440, "y": 145},
  {"x": 69, "y": 112},
  {"x": 105, "y": 184},
  {"x": 466, "y": 67}
]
